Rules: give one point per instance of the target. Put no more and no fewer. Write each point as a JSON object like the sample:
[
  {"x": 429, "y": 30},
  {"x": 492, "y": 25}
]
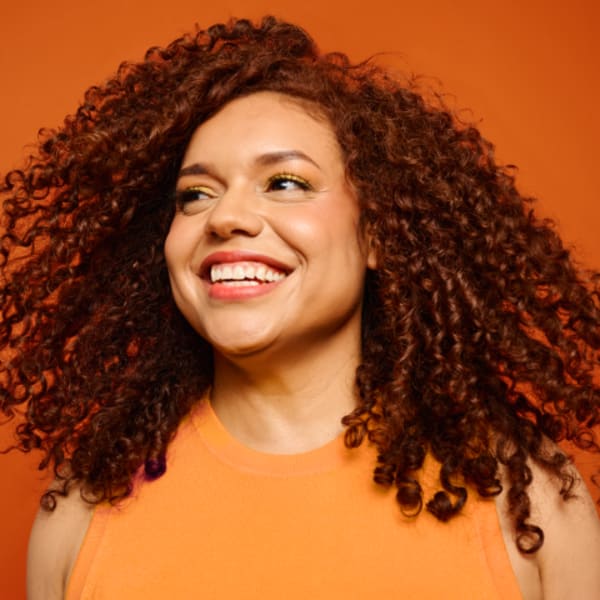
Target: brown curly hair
[{"x": 479, "y": 334}]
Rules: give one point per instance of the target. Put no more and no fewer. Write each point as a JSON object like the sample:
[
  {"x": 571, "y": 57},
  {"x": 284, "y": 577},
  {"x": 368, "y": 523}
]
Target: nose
[{"x": 234, "y": 214}]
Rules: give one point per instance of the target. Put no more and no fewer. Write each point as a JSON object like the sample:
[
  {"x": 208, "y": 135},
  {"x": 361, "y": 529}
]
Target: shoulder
[
  {"x": 568, "y": 560},
  {"x": 54, "y": 544},
  {"x": 566, "y": 566}
]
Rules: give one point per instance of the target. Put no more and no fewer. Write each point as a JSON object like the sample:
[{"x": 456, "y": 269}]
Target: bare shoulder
[
  {"x": 570, "y": 557},
  {"x": 54, "y": 543},
  {"x": 567, "y": 564}
]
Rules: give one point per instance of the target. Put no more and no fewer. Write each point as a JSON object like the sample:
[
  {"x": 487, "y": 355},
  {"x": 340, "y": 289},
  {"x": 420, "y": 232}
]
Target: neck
[{"x": 289, "y": 403}]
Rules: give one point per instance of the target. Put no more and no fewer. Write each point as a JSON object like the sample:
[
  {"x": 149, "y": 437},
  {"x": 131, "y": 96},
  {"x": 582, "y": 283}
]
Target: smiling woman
[
  {"x": 265, "y": 306},
  {"x": 263, "y": 188}
]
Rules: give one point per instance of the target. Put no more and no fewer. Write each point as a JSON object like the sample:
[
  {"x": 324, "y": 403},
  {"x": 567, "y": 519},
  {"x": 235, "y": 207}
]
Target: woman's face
[{"x": 265, "y": 249}]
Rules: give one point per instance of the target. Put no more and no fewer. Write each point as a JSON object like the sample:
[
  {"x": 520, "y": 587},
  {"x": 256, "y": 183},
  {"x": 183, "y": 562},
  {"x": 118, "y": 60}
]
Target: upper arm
[
  {"x": 54, "y": 543},
  {"x": 569, "y": 560}
]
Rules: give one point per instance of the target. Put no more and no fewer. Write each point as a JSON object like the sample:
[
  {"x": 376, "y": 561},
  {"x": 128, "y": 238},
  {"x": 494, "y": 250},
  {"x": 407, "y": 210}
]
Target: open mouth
[{"x": 245, "y": 273}]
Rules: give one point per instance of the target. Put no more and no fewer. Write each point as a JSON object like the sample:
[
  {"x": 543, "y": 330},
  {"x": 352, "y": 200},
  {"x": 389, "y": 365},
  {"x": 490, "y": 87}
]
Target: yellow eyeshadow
[
  {"x": 197, "y": 188},
  {"x": 289, "y": 177}
]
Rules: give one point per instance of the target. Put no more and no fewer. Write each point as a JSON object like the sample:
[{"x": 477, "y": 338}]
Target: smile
[
  {"x": 244, "y": 273},
  {"x": 239, "y": 275}
]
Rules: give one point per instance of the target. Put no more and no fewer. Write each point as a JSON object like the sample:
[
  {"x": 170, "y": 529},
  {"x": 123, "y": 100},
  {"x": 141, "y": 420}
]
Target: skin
[
  {"x": 285, "y": 356},
  {"x": 284, "y": 360},
  {"x": 567, "y": 565},
  {"x": 54, "y": 544}
]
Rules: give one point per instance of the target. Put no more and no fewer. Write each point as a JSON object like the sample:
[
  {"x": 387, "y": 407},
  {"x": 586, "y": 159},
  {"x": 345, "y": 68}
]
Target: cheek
[
  {"x": 331, "y": 224},
  {"x": 170, "y": 248},
  {"x": 180, "y": 240},
  {"x": 177, "y": 251},
  {"x": 301, "y": 231}
]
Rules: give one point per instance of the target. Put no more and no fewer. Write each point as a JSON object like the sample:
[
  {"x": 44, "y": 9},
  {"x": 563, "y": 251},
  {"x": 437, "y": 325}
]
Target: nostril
[{"x": 233, "y": 225}]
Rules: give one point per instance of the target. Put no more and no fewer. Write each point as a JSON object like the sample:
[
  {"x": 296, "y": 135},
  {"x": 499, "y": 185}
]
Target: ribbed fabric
[{"x": 227, "y": 522}]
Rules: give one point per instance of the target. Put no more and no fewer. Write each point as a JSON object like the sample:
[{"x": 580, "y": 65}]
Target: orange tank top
[{"x": 227, "y": 522}]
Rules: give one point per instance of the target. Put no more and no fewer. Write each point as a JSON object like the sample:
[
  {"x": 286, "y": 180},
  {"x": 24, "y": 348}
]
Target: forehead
[{"x": 266, "y": 122}]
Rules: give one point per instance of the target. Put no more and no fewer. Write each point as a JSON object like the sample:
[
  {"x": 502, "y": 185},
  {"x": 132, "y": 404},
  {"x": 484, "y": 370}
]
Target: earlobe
[
  {"x": 368, "y": 245},
  {"x": 372, "y": 261}
]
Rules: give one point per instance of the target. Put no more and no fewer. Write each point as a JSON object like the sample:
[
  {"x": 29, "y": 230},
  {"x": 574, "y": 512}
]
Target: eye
[
  {"x": 283, "y": 182},
  {"x": 191, "y": 195}
]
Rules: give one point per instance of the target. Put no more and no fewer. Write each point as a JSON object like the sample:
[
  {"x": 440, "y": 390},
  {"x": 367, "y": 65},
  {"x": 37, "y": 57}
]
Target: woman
[{"x": 243, "y": 276}]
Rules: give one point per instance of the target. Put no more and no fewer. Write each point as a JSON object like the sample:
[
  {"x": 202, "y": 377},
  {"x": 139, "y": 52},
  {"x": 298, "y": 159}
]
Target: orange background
[{"x": 527, "y": 69}]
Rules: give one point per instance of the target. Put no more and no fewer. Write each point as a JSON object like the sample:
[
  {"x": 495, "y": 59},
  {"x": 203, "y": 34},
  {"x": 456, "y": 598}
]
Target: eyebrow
[
  {"x": 263, "y": 160},
  {"x": 195, "y": 169},
  {"x": 275, "y": 157}
]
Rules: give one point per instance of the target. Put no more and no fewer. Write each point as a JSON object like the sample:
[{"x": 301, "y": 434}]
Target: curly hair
[{"x": 479, "y": 334}]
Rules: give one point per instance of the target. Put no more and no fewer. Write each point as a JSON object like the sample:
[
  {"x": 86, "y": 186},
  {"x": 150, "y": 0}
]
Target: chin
[
  {"x": 244, "y": 344},
  {"x": 239, "y": 354}
]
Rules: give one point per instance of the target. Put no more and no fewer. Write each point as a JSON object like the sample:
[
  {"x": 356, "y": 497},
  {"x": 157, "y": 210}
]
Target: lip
[
  {"x": 221, "y": 292},
  {"x": 232, "y": 256}
]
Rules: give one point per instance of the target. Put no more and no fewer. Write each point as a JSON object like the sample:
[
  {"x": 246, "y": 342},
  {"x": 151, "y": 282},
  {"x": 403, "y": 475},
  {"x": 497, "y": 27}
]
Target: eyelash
[
  {"x": 182, "y": 197},
  {"x": 303, "y": 183}
]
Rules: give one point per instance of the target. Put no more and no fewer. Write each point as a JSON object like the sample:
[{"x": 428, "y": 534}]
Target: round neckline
[{"x": 232, "y": 452}]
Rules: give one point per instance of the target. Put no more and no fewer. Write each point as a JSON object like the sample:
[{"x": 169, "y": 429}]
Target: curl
[{"x": 480, "y": 336}]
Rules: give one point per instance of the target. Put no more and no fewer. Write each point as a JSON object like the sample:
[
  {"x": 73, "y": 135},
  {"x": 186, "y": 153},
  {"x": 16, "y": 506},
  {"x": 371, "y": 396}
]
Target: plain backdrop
[{"x": 527, "y": 70}]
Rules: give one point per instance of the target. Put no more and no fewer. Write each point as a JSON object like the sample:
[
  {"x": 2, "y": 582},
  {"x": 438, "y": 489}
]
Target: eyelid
[
  {"x": 291, "y": 177},
  {"x": 181, "y": 196},
  {"x": 196, "y": 188}
]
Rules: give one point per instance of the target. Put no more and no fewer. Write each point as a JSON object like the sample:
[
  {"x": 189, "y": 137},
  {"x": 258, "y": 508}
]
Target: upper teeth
[{"x": 238, "y": 272}]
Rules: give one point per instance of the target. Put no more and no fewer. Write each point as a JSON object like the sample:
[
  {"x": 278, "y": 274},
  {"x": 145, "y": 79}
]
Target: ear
[
  {"x": 371, "y": 258},
  {"x": 371, "y": 250}
]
